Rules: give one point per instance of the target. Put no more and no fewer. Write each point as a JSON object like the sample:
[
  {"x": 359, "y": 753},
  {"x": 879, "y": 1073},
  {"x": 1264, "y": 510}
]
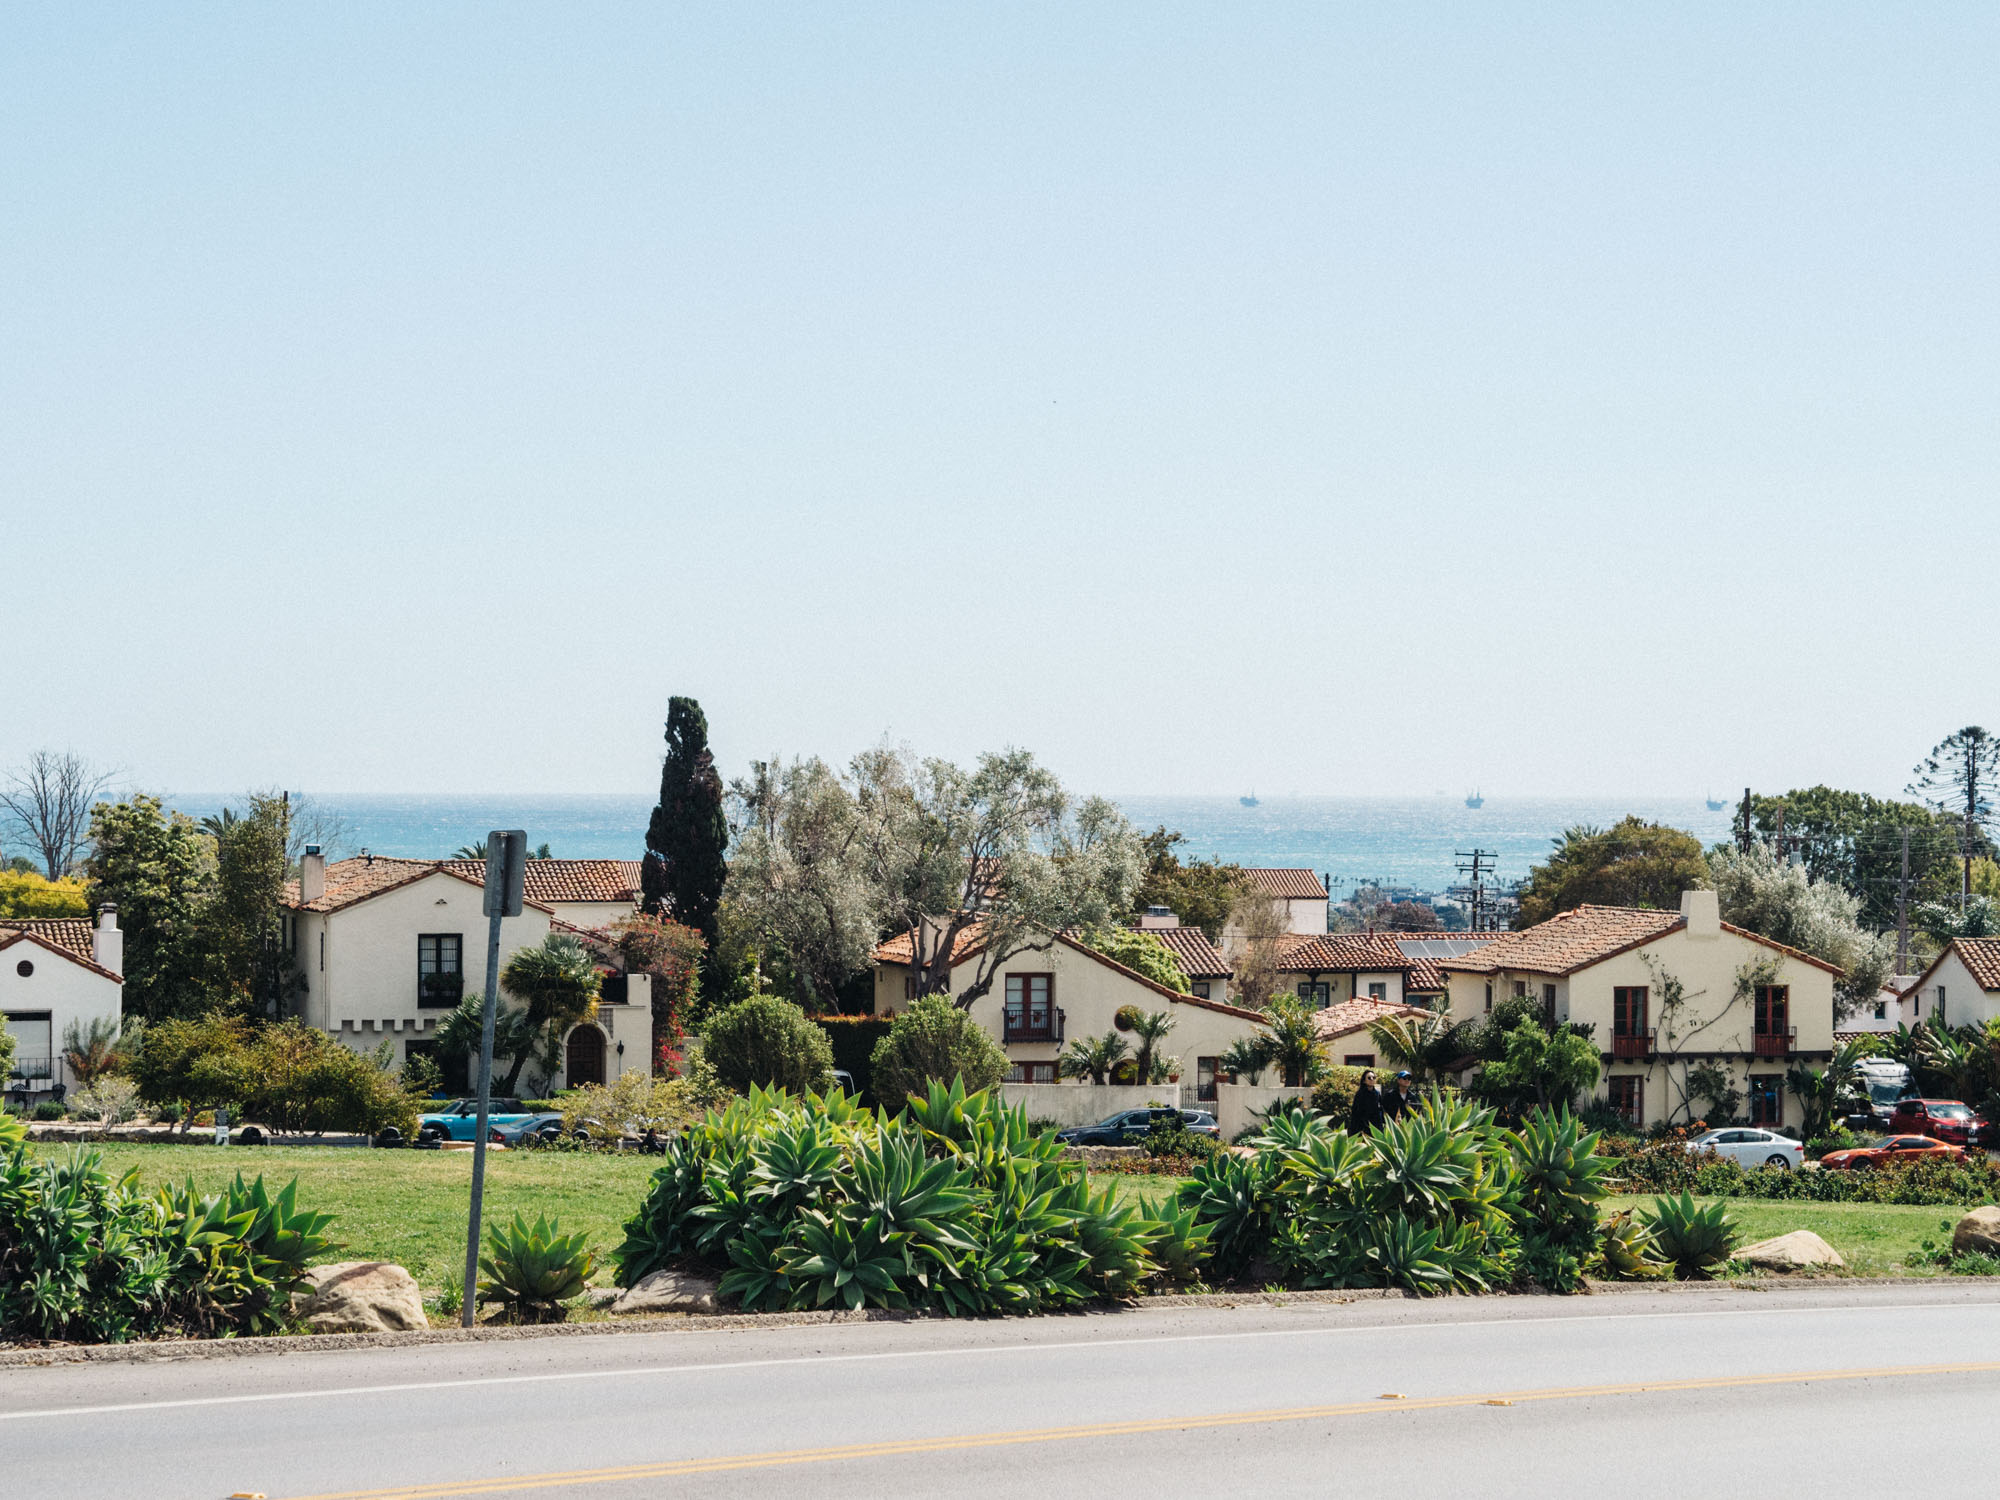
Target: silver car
[{"x": 1751, "y": 1147}]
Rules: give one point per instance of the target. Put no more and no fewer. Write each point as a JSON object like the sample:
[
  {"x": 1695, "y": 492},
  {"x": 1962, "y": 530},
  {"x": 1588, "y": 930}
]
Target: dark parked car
[
  {"x": 1940, "y": 1119},
  {"x": 516, "y": 1132},
  {"x": 1131, "y": 1127}
]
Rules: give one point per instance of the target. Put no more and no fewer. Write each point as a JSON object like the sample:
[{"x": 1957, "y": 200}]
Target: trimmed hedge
[{"x": 1668, "y": 1166}]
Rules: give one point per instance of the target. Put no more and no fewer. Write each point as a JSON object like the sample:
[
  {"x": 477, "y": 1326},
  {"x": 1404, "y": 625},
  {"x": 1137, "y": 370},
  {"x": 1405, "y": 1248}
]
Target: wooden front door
[{"x": 584, "y": 1062}]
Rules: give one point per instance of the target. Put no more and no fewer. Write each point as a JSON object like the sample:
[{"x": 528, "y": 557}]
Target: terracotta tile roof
[
  {"x": 1287, "y": 885},
  {"x": 554, "y": 880},
  {"x": 896, "y": 950},
  {"x": 1981, "y": 957},
  {"x": 1192, "y": 950},
  {"x": 545, "y": 882},
  {"x": 1568, "y": 941},
  {"x": 72, "y": 933},
  {"x": 1353, "y": 1015},
  {"x": 11, "y": 936},
  {"x": 1344, "y": 952},
  {"x": 1587, "y": 935}
]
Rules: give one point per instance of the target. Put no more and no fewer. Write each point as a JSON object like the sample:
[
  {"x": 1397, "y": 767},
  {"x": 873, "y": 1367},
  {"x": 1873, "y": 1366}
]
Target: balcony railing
[
  {"x": 1775, "y": 1043},
  {"x": 32, "y": 1068},
  {"x": 1031, "y": 1026},
  {"x": 440, "y": 991},
  {"x": 1637, "y": 1045}
]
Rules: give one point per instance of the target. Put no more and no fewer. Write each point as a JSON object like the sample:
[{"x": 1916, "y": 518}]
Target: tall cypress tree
[{"x": 685, "y": 842}]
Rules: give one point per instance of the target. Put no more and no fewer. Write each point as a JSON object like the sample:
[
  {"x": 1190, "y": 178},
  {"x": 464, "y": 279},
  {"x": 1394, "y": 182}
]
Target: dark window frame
[
  {"x": 1018, "y": 1022},
  {"x": 440, "y": 987}
]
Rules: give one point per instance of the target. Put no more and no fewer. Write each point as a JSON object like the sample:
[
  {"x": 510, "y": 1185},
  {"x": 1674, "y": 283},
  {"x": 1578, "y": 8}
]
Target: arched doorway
[{"x": 584, "y": 1058}]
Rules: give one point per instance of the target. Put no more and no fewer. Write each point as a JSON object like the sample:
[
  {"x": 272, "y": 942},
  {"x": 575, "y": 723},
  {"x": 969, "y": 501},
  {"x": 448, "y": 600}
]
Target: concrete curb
[{"x": 169, "y": 1350}]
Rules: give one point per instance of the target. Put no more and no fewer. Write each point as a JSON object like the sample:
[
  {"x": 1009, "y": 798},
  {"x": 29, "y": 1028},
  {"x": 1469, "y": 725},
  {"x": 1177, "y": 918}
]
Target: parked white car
[{"x": 1751, "y": 1148}]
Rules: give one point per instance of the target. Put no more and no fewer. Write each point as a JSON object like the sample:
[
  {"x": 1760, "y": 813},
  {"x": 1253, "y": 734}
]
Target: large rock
[
  {"x": 1978, "y": 1230},
  {"x": 1800, "y": 1250},
  {"x": 670, "y": 1291},
  {"x": 360, "y": 1296}
]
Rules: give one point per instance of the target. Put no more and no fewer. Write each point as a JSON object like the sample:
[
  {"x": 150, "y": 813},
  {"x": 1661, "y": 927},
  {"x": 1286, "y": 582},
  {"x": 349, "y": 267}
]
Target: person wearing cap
[
  {"x": 1401, "y": 1099},
  {"x": 1366, "y": 1112}
]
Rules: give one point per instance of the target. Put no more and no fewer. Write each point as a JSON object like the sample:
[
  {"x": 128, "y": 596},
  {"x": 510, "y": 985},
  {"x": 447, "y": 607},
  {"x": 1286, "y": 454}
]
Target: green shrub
[
  {"x": 532, "y": 1269},
  {"x": 1692, "y": 1238},
  {"x": 198, "y": 1063},
  {"x": 303, "y": 1081},
  {"x": 1937, "y": 1254},
  {"x": 767, "y": 1042},
  {"x": 48, "y": 1109},
  {"x": 89, "y": 1258},
  {"x": 933, "y": 1041},
  {"x": 1333, "y": 1096},
  {"x": 1172, "y": 1141},
  {"x": 954, "y": 1205}
]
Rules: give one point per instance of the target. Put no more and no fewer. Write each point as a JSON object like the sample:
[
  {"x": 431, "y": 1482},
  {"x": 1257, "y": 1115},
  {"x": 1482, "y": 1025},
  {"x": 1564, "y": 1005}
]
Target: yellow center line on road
[{"x": 668, "y": 1469}]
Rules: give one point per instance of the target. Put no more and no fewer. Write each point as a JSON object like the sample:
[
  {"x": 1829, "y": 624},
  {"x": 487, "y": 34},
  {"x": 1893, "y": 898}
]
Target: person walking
[
  {"x": 1365, "y": 1113},
  {"x": 1401, "y": 1099}
]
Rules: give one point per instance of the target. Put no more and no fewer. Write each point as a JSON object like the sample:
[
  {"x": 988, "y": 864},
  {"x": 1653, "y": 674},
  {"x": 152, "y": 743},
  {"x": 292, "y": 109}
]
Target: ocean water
[{"x": 1412, "y": 841}]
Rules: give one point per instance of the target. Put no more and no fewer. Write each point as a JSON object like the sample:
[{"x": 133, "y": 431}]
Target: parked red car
[
  {"x": 1941, "y": 1119},
  {"x": 1896, "y": 1148}
]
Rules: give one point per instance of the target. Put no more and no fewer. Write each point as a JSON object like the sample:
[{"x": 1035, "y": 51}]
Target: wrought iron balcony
[{"x": 1031, "y": 1026}]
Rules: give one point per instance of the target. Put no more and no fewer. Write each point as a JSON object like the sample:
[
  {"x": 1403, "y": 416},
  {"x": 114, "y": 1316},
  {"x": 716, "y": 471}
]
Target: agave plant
[
  {"x": 532, "y": 1269},
  {"x": 1626, "y": 1247},
  {"x": 1692, "y": 1239},
  {"x": 1230, "y": 1194}
]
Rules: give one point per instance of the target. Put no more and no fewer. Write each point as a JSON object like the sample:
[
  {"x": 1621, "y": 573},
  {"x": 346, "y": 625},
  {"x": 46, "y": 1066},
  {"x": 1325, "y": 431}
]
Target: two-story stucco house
[
  {"x": 1961, "y": 986},
  {"x": 1041, "y": 1000},
  {"x": 1298, "y": 897},
  {"x": 1752, "y": 1006},
  {"x": 56, "y": 972},
  {"x": 388, "y": 947}
]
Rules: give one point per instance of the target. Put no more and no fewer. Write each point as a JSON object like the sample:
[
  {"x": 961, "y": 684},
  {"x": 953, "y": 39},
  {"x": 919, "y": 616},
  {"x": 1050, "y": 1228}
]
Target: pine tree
[
  {"x": 685, "y": 842},
  {"x": 1957, "y": 777}
]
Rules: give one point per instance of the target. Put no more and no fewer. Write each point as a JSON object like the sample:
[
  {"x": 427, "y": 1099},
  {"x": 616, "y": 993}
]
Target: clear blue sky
[{"x": 1340, "y": 400}]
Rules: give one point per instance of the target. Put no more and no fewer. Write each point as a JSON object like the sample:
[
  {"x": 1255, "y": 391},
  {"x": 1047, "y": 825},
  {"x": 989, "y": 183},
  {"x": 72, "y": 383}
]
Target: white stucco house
[
  {"x": 1298, "y": 895},
  {"x": 386, "y": 948},
  {"x": 1961, "y": 987},
  {"x": 56, "y": 972}
]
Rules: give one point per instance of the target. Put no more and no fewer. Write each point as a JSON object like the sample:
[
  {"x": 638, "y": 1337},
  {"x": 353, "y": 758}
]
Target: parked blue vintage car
[{"x": 458, "y": 1119}]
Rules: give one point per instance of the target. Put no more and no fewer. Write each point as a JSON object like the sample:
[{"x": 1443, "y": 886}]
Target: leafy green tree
[
  {"x": 302, "y": 1081},
  {"x": 1634, "y": 863},
  {"x": 160, "y": 870},
  {"x": 245, "y": 914},
  {"x": 1757, "y": 891},
  {"x": 7, "y": 1045},
  {"x": 1139, "y": 951},
  {"x": 1957, "y": 777},
  {"x": 1002, "y": 849},
  {"x": 198, "y": 1062},
  {"x": 1537, "y": 1067},
  {"x": 23, "y": 893},
  {"x": 687, "y": 839},
  {"x": 769, "y": 1042},
  {"x": 933, "y": 1041},
  {"x": 1294, "y": 1045},
  {"x": 557, "y": 984},
  {"x": 1200, "y": 892},
  {"x": 1944, "y": 921},
  {"x": 1856, "y": 842},
  {"x": 1093, "y": 1058},
  {"x": 800, "y": 878}
]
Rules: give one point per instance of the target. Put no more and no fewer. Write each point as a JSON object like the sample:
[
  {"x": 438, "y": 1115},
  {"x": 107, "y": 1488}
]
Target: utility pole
[
  {"x": 1903, "y": 910},
  {"x": 1743, "y": 823},
  {"x": 1478, "y": 863},
  {"x": 506, "y": 861}
]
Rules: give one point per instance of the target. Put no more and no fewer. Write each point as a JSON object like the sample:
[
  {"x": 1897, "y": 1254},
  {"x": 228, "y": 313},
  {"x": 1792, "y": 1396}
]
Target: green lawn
[{"x": 409, "y": 1206}]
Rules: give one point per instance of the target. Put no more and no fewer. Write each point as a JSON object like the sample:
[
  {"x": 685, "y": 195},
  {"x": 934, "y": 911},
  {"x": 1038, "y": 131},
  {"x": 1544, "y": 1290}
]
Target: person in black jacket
[
  {"x": 1401, "y": 1099},
  {"x": 1366, "y": 1112}
]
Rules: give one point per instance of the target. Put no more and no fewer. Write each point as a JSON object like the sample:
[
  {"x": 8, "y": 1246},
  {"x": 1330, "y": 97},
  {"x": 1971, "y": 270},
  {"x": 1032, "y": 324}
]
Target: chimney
[
  {"x": 1699, "y": 911},
  {"x": 312, "y": 874},
  {"x": 1158, "y": 916},
  {"x": 107, "y": 943}
]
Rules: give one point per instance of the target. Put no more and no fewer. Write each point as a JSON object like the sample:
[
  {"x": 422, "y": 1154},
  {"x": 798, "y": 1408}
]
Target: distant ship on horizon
[
  {"x": 1713, "y": 805},
  {"x": 1249, "y": 801},
  {"x": 1475, "y": 801}
]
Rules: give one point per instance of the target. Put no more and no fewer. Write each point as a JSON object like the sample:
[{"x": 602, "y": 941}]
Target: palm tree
[
  {"x": 219, "y": 825},
  {"x": 1820, "y": 1090},
  {"x": 1093, "y": 1058},
  {"x": 1247, "y": 1057},
  {"x": 1405, "y": 1041},
  {"x": 1149, "y": 1028},
  {"x": 1955, "y": 1060},
  {"x": 471, "y": 851},
  {"x": 92, "y": 1051},
  {"x": 557, "y": 982},
  {"x": 1294, "y": 1044}
]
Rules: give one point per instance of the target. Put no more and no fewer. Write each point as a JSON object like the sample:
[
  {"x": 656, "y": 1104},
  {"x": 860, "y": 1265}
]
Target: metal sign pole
[{"x": 506, "y": 857}]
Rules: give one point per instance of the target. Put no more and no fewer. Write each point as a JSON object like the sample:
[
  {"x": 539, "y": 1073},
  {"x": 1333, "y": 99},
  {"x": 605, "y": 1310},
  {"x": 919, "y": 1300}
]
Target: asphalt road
[{"x": 1639, "y": 1394}]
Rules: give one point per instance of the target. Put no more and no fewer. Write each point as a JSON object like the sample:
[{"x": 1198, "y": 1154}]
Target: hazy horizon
[{"x": 1532, "y": 399}]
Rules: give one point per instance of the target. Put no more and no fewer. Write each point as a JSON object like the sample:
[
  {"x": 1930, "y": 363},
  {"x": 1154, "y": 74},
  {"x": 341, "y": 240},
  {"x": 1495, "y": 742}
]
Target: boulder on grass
[
  {"x": 360, "y": 1296},
  {"x": 1978, "y": 1231},
  {"x": 1798, "y": 1251},
  {"x": 670, "y": 1291}
]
